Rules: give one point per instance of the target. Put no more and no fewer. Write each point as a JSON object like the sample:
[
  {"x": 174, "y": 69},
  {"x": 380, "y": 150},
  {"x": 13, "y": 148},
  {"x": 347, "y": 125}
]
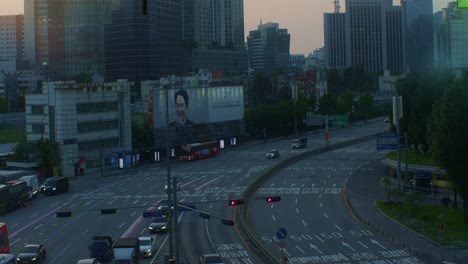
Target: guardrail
[{"x": 241, "y": 213}]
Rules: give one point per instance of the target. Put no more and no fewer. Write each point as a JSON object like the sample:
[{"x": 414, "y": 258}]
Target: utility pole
[
  {"x": 169, "y": 185},
  {"x": 294, "y": 95}
]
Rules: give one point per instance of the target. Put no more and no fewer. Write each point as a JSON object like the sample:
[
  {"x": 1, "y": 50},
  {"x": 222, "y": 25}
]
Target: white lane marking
[
  {"x": 297, "y": 210},
  {"x": 338, "y": 228},
  {"x": 300, "y": 249},
  {"x": 285, "y": 251},
  {"x": 33, "y": 215},
  {"x": 325, "y": 215},
  {"x": 320, "y": 239},
  {"x": 274, "y": 219},
  {"x": 295, "y": 201},
  {"x": 61, "y": 252},
  {"x": 122, "y": 224},
  {"x": 17, "y": 240},
  {"x": 304, "y": 222},
  {"x": 324, "y": 182},
  {"x": 37, "y": 226},
  {"x": 83, "y": 233},
  {"x": 362, "y": 244},
  {"x": 321, "y": 205},
  {"x": 312, "y": 246}
]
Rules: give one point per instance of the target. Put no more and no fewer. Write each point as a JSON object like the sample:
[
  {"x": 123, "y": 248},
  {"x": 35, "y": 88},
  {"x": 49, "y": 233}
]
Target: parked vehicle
[
  {"x": 126, "y": 250},
  {"x": 101, "y": 248},
  {"x": 33, "y": 182},
  {"x": 299, "y": 143},
  {"x": 55, "y": 185},
  {"x": 147, "y": 246},
  {"x": 32, "y": 253}
]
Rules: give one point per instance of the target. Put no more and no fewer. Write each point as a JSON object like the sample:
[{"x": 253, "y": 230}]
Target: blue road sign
[
  {"x": 281, "y": 233},
  {"x": 150, "y": 214},
  {"x": 186, "y": 208},
  {"x": 387, "y": 141}
]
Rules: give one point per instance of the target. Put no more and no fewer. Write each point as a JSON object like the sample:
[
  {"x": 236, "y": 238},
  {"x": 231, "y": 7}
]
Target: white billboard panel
[{"x": 193, "y": 106}]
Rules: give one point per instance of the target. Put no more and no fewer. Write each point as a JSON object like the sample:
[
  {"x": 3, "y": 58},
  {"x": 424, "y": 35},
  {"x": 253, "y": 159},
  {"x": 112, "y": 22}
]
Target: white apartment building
[{"x": 90, "y": 123}]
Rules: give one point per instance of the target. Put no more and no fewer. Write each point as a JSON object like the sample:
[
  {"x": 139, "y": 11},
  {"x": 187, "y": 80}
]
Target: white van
[{"x": 33, "y": 182}]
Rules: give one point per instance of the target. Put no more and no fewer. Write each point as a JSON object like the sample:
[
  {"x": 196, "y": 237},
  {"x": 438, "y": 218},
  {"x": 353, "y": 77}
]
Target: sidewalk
[{"x": 361, "y": 193}]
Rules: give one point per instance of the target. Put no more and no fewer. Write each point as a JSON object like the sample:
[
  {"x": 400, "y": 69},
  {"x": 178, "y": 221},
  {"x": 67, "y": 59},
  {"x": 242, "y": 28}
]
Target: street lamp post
[{"x": 169, "y": 185}]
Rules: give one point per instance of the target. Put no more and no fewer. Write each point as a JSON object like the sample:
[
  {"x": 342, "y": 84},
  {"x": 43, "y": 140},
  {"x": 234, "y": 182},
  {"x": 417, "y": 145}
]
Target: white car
[{"x": 147, "y": 246}]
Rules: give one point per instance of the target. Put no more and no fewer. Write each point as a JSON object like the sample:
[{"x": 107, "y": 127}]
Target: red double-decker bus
[
  {"x": 199, "y": 150},
  {"x": 4, "y": 242}
]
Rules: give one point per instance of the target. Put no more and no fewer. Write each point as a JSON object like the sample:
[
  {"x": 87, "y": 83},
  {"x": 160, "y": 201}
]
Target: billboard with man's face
[{"x": 195, "y": 106}]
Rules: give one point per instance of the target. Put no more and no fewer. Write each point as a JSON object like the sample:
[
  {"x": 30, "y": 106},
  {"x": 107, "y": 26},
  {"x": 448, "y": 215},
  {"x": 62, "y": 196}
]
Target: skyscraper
[
  {"x": 268, "y": 47},
  {"x": 335, "y": 39},
  {"x": 144, "y": 46},
  {"x": 419, "y": 34},
  {"x": 373, "y": 35},
  {"x": 68, "y": 36},
  {"x": 214, "y": 35}
]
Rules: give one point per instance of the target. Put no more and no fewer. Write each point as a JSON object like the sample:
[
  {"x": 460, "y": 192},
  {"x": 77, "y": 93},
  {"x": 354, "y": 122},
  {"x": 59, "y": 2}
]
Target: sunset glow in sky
[{"x": 302, "y": 18}]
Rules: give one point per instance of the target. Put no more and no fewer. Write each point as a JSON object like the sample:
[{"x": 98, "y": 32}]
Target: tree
[
  {"x": 327, "y": 104},
  {"x": 345, "y": 102},
  {"x": 142, "y": 133},
  {"x": 446, "y": 133},
  {"x": 365, "y": 104},
  {"x": 45, "y": 155},
  {"x": 3, "y": 105}
]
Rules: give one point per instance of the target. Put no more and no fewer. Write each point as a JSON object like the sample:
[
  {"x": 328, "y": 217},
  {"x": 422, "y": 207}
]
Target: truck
[
  {"x": 126, "y": 250},
  {"x": 100, "y": 248},
  {"x": 33, "y": 183},
  {"x": 299, "y": 143}
]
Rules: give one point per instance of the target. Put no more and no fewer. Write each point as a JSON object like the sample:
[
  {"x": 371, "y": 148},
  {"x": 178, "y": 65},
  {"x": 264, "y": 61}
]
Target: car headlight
[
  {"x": 54, "y": 189},
  {"x": 151, "y": 228},
  {"x": 18, "y": 259},
  {"x": 148, "y": 251},
  {"x": 33, "y": 259},
  {"x": 163, "y": 227}
]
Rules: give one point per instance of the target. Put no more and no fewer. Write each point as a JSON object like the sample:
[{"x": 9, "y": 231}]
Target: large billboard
[
  {"x": 197, "y": 114},
  {"x": 191, "y": 106}
]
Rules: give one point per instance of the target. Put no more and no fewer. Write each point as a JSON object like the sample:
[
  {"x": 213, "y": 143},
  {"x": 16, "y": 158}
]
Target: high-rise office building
[
  {"x": 335, "y": 40},
  {"x": 214, "y": 35},
  {"x": 268, "y": 47},
  {"x": 419, "y": 34},
  {"x": 144, "y": 44},
  {"x": 373, "y": 33},
  {"x": 68, "y": 36},
  {"x": 11, "y": 38},
  {"x": 395, "y": 40}
]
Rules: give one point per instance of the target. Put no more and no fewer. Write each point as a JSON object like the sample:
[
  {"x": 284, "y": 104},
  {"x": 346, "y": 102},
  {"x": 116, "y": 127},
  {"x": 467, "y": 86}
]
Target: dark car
[
  {"x": 210, "y": 259},
  {"x": 158, "y": 225},
  {"x": 32, "y": 253},
  {"x": 272, "y": 154},
  {"x": 55, "y": 185},
  {"x": 101, "y": 248},
  {"x": 163, "y": 206}
]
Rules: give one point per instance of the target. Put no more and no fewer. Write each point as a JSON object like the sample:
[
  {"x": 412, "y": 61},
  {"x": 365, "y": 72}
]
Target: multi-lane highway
[
  {"x": 319, "y": 227},
  {"x": 207, "y": 183}
]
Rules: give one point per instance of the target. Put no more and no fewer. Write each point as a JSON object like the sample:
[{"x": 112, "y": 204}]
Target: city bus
[
  {"x": 13, "y": 194},
  {"x": 4, "y": 243},
  {"x": 196, "y": 151}
]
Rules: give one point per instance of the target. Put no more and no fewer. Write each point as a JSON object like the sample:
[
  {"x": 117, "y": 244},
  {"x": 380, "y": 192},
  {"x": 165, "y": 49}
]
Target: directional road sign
[
  {"x": 281, "y": 233},
  {"x": 150, "y": 214},
  {"x": 387, "y": 141}
]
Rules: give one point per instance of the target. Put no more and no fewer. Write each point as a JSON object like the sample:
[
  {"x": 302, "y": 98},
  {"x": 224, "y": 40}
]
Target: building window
[
  {"x": 37, "y": 110},
  {"x": 37, "y": 128}
]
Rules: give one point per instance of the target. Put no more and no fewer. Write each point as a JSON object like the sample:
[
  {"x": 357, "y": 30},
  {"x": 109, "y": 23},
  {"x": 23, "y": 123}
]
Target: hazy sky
[{"x": 302, "y": 18}]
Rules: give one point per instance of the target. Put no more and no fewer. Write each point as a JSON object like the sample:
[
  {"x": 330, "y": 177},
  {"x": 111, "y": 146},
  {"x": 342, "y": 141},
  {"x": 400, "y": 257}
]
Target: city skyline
[{"x": 303, "y": 19}]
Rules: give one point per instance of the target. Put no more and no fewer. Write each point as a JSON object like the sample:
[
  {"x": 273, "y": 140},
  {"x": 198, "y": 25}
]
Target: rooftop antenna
[{"x": 337, "y": 5}]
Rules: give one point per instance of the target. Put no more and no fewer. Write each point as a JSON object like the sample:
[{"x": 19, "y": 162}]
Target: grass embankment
[
  {"x": 441, "y": 224},
  {"x": 430, "y": 220},
  {"x": 413, "y": 158},
  {"x": 10, "y": 134}
]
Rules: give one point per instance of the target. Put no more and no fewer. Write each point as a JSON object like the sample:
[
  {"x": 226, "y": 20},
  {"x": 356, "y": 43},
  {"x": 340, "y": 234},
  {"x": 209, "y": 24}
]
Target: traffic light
[
  {"x": 272, "y": 199},
  {"x": 63, "y": 214},
  {"x": 108, "y": 211},
  {"x": 235, "y": 202}
]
